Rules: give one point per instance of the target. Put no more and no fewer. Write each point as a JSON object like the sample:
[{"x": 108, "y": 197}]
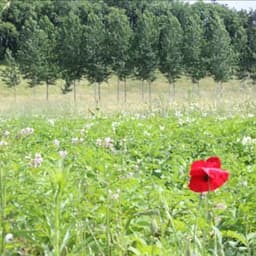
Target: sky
[{"x": 237, "y": 4}]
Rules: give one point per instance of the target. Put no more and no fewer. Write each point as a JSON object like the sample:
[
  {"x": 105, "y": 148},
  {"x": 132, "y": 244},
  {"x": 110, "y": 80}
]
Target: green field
[
  {"x": 235, "y": 95},
  {"x": 119, "y": 185}
]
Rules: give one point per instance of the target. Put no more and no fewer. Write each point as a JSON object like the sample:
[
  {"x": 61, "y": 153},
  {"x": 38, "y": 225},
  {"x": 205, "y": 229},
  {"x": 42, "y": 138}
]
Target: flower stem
[{"x": 2, "y": 209}]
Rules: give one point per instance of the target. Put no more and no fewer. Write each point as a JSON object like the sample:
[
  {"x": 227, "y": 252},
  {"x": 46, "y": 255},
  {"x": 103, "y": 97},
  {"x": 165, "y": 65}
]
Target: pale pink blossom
[
  {"x": 63, "y": 153},
  {"x": 27, "y": 131},
  {"x": 37, "y": 161},
  {"x": 8, "y": 238},
  {"x": 56, "y": 142}
]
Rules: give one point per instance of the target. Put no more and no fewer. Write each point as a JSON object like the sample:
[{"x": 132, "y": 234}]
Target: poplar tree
[
  {"x": 10, "y": 74},
  {"x": 96, "y": 54},
  {"x": 118, "y": 39},
  {"x": 221, "y": 55},
  {"x": 69, "y": 51},
  {"x": 170, "y": 49},
  {"x": 145, "y": 50},
  {"x": 36, "y": 53},
  {"x": 192, "y": 48}
]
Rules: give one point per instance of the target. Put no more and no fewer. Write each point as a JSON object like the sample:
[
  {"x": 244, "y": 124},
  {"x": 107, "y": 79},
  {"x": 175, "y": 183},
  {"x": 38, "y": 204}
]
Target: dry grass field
[{"x": 33, "y": 100}]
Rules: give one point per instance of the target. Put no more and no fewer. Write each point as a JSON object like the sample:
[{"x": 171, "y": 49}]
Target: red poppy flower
[{"x": 207, "y": 175}]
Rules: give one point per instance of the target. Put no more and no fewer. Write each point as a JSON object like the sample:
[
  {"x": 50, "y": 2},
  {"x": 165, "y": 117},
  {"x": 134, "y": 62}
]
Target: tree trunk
[
  {"x": 198, "y": 88},
  {"x": 99, "y": 93},
  {"x": 118, "y": 90},
  {"x": 34, "y": 92},
  {"x": 170, "y": 91},
  {"x": 173, "y": 90},
  {"x": 15, "y": 94},
  {"x": 74, "y": 91},
  {"x": 142, "y": 90},
  {"x": 47, "y": 91},
  {"x": 95, "y": 95},
  {"x": 219, "y": 89},
  {"x": 125, "y": 91},
  {"x": 149, "y": 92}
]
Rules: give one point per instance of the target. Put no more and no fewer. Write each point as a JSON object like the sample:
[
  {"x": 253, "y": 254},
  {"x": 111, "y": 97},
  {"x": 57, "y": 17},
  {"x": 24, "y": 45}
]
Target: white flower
[
  {"x": 8, "y": 238},
  {"x": 27, "y": 131},
  {"x": 161, "y": 127},
  {"x": 115, "y": 126},
  {"x": 129, "y": 175},
  {"x": 99, "y": 142},
  {"x": 74, "y": 140},
  {"x": 63, "y": 153},
  {"x": 37, "y": 161},
  {"x": 6, "y": 133},
  {"x": 116, "y": 195},
  {"x": 3, "y": 143},
  {"x": 108, "y": 143},
  {"x": 56, "y": 142},
  {"x": 247, "y": 140},
  {"x": 51, "y": 122}
]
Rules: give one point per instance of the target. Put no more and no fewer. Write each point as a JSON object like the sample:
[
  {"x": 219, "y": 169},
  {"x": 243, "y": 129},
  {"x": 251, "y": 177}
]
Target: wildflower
[
  {"x": 8, "y": 238},
  {"x": 27, "y": 131},
  {"x": 161, "y": 127},
  {"x": 114, "y": 196},
  {"x": 56, "y": 142},
  {"x": 207, "y": 175},
  {"x": 76, "y": 140},
  {"x": 51, "y": 122},
  {"x": 6, "y": 133},
  {"x": 247, "y": 140},
  {"x": 108, "y": 143},
  {"x": 221, "y": 206},
  {"x": 115, "y": 126},
  {"x": 3, "y": 143},
  {"x": 129, "y": 175},
  {"x": 63, "y": 153},
  {"x": 37, "y": 161},
  {"x": 99, "y": 142}
]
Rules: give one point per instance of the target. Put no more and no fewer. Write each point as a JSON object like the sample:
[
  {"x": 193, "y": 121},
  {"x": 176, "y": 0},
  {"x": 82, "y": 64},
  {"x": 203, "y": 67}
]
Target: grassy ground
[
  {"x": 33, "y": 100},
  {"x": 118, "y": 186}
]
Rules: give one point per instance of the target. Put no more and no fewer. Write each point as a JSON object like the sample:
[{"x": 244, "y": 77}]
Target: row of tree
[{"x": 52, "y": 39}]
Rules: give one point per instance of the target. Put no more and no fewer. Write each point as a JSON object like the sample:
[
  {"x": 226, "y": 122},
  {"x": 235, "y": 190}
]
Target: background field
[{"x": 32, "y": 100}]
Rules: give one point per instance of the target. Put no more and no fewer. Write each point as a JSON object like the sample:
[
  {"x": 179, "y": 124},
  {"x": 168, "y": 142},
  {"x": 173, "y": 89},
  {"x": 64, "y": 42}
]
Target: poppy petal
[
  {"x": 213, "y": 162},
  {"x": 211, "y": 179},
  {"x": 198, "y": 184},
  {"x": 196, "y": 168}
]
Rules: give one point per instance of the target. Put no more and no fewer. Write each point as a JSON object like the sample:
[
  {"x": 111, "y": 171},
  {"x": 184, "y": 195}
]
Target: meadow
[{"x": 113, "y": 180}]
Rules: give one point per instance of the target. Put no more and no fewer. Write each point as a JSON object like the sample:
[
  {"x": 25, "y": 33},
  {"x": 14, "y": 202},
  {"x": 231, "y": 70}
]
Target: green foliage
[
  {"x": 192, "y": 46},
  {"x": 36, "y": 54},
  {"x": 221, "y": 57},
  {"x": 251, "y": 53},
  {"x": 118, "y": 39},
  {"x": 9, "y": 37},
  {"x": 10, "y": 75},
  {"x": 97, "y": 65},
  {"x": 145, "y": 42},
  {"x": 92, "y": 39},
  {"x": 69, "y": 47},
  {"x": 170, "y": 47},
  {"x": 121, "y": 185}
]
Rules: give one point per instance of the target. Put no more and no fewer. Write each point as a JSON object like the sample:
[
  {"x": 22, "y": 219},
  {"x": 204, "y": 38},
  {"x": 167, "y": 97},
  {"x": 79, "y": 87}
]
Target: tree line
[{"x": 43, "y": 41}]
